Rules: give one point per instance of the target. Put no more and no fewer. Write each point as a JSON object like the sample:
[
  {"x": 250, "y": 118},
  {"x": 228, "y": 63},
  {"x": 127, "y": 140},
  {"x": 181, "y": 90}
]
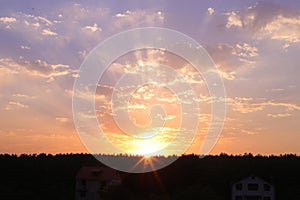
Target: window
[
  {"x": 267, "y": 187},
  {"x": 96, "y": 172},
  {"x": 267, "y": 198},
  {"x": 252, "y": 186},
  {"x": 82, "y": 193},
  {"x": 239, "y": 186},
  {"x": 253, "y": 197},
  {"x": 103, "y": 185},
  {"x": 238, "y": 198},
  {"x": 83, "y": 182}
]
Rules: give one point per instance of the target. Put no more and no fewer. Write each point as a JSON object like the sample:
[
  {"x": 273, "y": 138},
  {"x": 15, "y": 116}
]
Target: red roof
[{"x": 98, "y": 173}]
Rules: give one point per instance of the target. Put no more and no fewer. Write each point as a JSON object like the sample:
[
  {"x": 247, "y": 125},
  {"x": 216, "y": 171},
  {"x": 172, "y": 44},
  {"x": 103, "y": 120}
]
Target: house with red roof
[{"x": 94, "y": 181}]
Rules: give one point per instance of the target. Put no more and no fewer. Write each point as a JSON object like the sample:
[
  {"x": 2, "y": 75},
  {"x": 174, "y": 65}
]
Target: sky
[{"x": 254, "y": 45}]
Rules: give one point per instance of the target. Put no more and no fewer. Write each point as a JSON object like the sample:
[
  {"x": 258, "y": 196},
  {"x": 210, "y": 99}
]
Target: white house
[
  {"x": 252, "y": 188},
  {"x": 93, "y": 182}
]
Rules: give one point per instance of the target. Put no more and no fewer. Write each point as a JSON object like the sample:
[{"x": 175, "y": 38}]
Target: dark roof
[
  {"x": 98, "y": 173},
  {"x": 265, "y": 179}
]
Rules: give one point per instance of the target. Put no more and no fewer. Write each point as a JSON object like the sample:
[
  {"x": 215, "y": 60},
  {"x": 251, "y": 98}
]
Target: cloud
[
  {"x": 47, "y": 31},
  {"x": 254, "y": 17},
  {"x": 171, "y": 99},
  {"x": 7, "y": 20},
  {"x": 288, "y": 106},
  {"x": 72, "y": 28},
  {"x": 62, "y": 119},
  {"x": 267, "y": 20},
  {"x": 190, "y": 74},
  {"x": 283, "y": 29},
  {"x": 234, "y": 19},
  {"x": 249, "y": 105},
  {"x": 25, "y": 47},
  {"x": 36, "y": 67},
  {"x": 61, "y": 35},
  {"x": 138, "y": 18},
  {"x": 245, "y": 50},
  {"x": 223, "y": 56},
  {"x": 8, "y": 66},
  {"x": 38, "y": 19},
  {"x": 135, "y": 106},
  {"x": 93, "y": 28},
  {"x": 276, "y": 90},
  {"x": 30, "y": 25},
  {"x": 203, "y": 98},
  {"x": 12, "y": 104},
  {"x": 210, "y": 11},
  {"x": 280, "y": 115},
  {"x": 123, "y": 14},
  {"x": 86, "y": 115},
  {"x": 44, "y": 69},
  {"x": 227, "y": 75},
  {"x": 170, "y": 117},
  {"x": 248, "y": 132},
  {"x": 22, "y": 96},
  {"x": 246, "y": 105},
  {"x": 231, "y": 59}
]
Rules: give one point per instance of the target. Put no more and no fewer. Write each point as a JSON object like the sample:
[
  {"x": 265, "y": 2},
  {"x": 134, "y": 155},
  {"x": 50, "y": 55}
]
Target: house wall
[{"x": 91, "y": 188}]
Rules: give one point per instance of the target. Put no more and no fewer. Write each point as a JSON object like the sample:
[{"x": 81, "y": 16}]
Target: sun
[
  {"x": 147, "y": 157},
  {"x": 147, "y": 151},
  {"x": 147, "y": 147}
]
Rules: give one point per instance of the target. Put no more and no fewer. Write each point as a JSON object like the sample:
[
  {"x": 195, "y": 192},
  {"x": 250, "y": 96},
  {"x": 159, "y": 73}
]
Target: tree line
[{"x": 47, "y": 176}]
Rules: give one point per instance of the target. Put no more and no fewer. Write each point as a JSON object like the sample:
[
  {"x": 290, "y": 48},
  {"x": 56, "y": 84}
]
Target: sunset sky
[{"x": 254, "y": 44}]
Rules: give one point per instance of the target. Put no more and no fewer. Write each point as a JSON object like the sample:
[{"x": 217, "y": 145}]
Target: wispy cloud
[
  {"x": 279, "y": 115},
  {"x": 14, "y": 103},
  {"x": 47, "y": 31},
  {"x": 249, "y": 105},
  {"x": 62, "y": 119},
  {"x": 36, "y": 67}
]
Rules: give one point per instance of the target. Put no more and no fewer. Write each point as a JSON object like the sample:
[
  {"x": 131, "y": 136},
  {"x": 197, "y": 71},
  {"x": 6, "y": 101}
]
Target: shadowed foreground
[{"x": 53, "y": 177}]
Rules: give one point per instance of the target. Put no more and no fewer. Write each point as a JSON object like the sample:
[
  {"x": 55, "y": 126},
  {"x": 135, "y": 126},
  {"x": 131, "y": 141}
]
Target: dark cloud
[{"x": 256, "y": 17}]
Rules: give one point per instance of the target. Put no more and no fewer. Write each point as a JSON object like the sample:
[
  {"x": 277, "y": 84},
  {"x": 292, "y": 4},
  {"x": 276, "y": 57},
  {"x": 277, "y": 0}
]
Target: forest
[{"x": 46, "y": 176}]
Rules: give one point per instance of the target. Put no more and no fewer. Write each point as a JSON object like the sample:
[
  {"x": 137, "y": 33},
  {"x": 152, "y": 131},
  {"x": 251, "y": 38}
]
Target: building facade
[
  {"x": 92, "y": 183},
  {"x": 252, "y": 188}
]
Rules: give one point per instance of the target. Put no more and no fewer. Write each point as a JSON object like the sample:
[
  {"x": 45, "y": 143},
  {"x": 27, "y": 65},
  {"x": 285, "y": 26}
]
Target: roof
[
  {"x": 98, "y": 173},
  {"x": 252, "y": 177}
]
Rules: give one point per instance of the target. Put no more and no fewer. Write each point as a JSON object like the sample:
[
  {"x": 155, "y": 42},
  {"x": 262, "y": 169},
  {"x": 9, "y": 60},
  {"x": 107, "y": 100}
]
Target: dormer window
[
  {"x": 239, "y": 186},
  {"x": 267, "y": 187},
  {"x": 96, "y": 172},
  {"x": 252, "y": 186}
]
